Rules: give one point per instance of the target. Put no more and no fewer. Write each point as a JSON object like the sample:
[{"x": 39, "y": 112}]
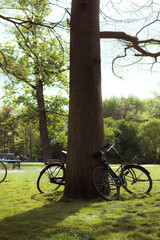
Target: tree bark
[
  {"x": 43, "y": 121},
  {"x": 85, "y": 134}
]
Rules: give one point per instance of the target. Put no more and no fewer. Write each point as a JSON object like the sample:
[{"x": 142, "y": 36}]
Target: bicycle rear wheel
[
  {"x": 137, "y": 179},
  {"x": 3, "y": 172},
  {"x": 51, "y": 178},
  {"x": 105, "y": 183}
]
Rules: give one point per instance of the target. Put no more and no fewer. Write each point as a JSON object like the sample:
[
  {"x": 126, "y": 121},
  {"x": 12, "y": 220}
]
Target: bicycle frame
[{"x": 118, "y": 177}]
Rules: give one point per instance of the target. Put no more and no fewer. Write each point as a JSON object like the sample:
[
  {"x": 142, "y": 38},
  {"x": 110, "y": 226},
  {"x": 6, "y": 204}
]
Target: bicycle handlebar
[{"x": 99, "y": 154}]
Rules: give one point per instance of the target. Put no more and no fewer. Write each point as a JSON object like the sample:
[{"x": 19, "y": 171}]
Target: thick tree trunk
[
  {"x": 85, "y": 111},
  {"x": 43, "y": 122}
]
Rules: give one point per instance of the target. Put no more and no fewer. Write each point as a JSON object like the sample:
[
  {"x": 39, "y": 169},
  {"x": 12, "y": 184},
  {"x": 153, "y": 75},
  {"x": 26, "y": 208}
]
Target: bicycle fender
[
  {"x": 42, "y": 171},
  {"x": 139, "y": 166}
]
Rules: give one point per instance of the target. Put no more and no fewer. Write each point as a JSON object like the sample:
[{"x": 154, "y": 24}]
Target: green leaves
[
  {"x": 36, "y": 62},
  {"x": 139, "y": 126},
  {"x": 150, "y": 138}
]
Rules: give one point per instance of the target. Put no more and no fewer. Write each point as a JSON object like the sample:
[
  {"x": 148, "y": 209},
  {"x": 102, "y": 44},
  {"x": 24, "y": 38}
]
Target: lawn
[
  {"x": 25, "y": 214},
  {"x": 27, "y": 165}
]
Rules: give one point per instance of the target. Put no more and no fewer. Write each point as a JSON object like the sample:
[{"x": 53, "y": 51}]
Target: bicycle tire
[
  {"x": 51, "y": 178},
  {"x": 3, "y": 172},
  {"x": 137, "y": 179},
  {"x": 105, "y": 183}
]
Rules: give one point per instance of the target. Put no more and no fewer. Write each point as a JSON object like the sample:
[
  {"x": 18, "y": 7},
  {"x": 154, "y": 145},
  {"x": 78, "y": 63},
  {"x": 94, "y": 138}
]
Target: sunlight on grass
[{"x": 26, "y": 214}]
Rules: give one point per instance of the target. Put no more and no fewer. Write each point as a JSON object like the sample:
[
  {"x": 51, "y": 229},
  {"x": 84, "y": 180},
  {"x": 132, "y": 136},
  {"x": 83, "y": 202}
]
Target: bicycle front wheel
[
  {"x": 51, "y": 178},
  {"x": 3, "y": 172},
  {"x": 137, "y": 179},
  {"x": 105, "y": 183}
]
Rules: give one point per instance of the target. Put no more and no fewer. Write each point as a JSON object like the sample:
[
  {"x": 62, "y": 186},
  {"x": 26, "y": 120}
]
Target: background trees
[
  {"x": 138, "y": 135},
  {"x": 131, "y": 108},
  {"x": 8, "y": 126},
  {"x": 150, "y": 140},
  {"x": 19, "y": 130},
  {"x": 34, "y": 62},
  {"x": 139, "y": 131}
]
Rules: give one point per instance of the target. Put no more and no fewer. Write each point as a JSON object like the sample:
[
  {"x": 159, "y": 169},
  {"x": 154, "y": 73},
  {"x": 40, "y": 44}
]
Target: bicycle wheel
[
  {"x": 105, "y": 183},
  {"x": 3, "y": 172},
  {"x": 137, "y": 179},
  {"x": 51, "y": 178}
]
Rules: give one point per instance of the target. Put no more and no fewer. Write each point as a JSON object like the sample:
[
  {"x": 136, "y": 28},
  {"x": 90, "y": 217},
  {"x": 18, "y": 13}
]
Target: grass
[
  {"x": 25, "y": 165},
  {"x": 27, "y": 215}
]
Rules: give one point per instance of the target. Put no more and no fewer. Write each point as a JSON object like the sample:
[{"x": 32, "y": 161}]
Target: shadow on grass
[
  {"x": 46, "y": 222},
  {"x": 64, "y": 219}
]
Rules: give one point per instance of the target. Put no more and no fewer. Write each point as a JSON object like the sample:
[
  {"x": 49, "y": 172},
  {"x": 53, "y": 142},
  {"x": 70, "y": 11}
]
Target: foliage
[
  {"x": 109, "y": 107},
  {"x": 138, "y": 123},
  {"x": 8, "y": 125},
  {"x": 130, "y": 108},
  {"x": 110, "y": 129},
  {"x": 137, "y": 137},
  {"x": 150, "y": 139},
  {"x": 153, "y": 107},
  {"x": 35, "y": 63},
  {"x": 23, "y": 126},
  {"x": 127, "y": 143}
]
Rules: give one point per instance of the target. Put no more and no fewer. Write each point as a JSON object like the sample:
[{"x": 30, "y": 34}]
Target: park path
[
  {"x": 40, "y": 169},
  {"x": 23, "y": 170}
]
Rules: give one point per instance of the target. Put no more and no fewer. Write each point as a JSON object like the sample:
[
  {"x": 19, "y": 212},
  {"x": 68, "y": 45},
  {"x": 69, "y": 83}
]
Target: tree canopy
[
  {"x": 36, "y": 61},
  {"x": 138, "y": 134}
]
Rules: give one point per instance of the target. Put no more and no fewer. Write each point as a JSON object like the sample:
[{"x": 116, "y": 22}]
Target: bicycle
[
  {"x": 53, "y": 175},
  {"x": 134, "y": 178},
  {"x": 3, "y": 171}
]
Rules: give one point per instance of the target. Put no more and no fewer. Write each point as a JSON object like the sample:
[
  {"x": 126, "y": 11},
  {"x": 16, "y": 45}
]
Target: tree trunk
[
  {"x": 43, "y": 122},
  {"x": 85, "y": 134},
  {"x": 30, "y": 143}
]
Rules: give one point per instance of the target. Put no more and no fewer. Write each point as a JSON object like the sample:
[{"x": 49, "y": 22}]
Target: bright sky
[
  {"x": 137, "y": 80},
  {"x": 139, "y": 85}
]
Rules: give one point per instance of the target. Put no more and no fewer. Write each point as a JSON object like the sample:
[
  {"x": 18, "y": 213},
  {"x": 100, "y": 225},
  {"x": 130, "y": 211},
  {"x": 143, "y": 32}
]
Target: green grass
[
  {"x": 25, "y": 214},
  {"x": 27, "y": 165}
]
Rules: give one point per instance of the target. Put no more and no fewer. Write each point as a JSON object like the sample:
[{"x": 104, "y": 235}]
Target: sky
[
  {"x": 138, "y": 79},
  {"x": 137, "y": 84}
]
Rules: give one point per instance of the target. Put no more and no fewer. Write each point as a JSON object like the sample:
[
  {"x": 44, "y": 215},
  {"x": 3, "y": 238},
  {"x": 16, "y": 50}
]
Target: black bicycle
[
  {"x": 132, "y": 177},
  {"x": 3, "y": 171},
  {"x": 53, "y": 175},
  {"x": 107, "y": 182}
]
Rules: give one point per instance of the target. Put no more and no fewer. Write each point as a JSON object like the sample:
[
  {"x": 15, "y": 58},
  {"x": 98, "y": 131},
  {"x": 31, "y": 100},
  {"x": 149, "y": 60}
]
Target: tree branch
[
  {"x": 156, "y": 20},
  {"x": 134, "y": 40},
  {"x": 24, "y": 23}
]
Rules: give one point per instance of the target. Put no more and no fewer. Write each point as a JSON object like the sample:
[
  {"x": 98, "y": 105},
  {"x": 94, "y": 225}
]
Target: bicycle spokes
[
  {"x": 137, "y": 180},
  {"x": 105, "y": 183},
  {"x": 51, "y": 178}
]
